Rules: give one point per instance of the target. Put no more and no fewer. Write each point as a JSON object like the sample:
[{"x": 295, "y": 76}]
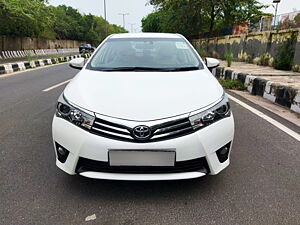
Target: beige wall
[
  {"x": 16, "y": 43},
  {"x": 253, "y": 44}
]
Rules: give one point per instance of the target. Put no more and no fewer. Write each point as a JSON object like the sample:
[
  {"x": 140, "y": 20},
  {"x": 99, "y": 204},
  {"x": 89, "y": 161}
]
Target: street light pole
[
  {"x": 124, "y": 14},
  {"x": 106, "y": 24},
  {"x": 277, "y": 2},
  {"x": 132, "y": 24}
]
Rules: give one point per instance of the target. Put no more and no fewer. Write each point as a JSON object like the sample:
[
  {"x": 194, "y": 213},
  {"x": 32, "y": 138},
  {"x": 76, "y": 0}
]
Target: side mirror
[
  {"x": 212, "y": 63},
  {"x": 77, "y": 63}
]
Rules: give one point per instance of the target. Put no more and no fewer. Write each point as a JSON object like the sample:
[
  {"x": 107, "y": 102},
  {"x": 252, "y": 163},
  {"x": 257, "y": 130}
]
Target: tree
[
  {"x": 24, "y": 17},
  {"x": 152, "y": 22},
  {"x": 33, "y": 18},
  {"x": 191, "y": 17}
]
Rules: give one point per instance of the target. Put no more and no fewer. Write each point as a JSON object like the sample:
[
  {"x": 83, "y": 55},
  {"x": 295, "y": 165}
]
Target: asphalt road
[{"x": 261, "y": 186}]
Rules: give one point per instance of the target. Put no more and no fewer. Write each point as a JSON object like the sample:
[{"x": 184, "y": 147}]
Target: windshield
[{"x": 145, "y": 53}]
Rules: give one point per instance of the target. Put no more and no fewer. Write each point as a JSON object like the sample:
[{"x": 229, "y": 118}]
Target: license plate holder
[{"x": 165, "y": 158}]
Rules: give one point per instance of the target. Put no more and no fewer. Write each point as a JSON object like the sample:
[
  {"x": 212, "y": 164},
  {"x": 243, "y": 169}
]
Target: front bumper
[{"x": 201, "y": 144}]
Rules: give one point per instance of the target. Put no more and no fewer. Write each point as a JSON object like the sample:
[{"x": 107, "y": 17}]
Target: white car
[{"x": 143, "y": 107}]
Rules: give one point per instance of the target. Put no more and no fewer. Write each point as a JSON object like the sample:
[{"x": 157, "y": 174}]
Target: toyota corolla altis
[{"x": 143, "y": 107}]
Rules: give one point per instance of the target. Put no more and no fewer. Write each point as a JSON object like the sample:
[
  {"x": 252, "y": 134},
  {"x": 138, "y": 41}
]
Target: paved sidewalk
[
  {"x": 281, "y": 87},
  {"x": 287, "y": 78}
]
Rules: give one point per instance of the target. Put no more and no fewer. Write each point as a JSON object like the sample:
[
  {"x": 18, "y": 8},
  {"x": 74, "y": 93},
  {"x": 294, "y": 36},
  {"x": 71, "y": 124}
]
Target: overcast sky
[{"x": 138, "y": 9}]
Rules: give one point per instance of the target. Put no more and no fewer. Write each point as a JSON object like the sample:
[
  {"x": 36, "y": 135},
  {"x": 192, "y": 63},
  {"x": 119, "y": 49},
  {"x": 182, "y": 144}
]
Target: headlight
[
  {"x": 79, "y": 117},
  {"x": 219, "y": 111}
]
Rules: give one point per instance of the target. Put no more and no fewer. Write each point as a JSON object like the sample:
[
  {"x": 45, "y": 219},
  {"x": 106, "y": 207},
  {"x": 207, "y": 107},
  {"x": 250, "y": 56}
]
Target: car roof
[{"x": 145, "y": 35}]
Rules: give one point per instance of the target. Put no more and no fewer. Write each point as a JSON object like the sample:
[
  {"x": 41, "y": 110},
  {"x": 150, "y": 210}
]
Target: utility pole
[
  {"x": 131, "y": 24},
  {"x": 277, "y": 2},
  {"x": 106, "y": 24},
  {"x": 124, "y": 14}
]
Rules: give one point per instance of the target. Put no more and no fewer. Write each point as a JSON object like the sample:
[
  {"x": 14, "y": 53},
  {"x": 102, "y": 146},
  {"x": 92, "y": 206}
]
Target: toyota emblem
[{"x": 141, "y": 132}]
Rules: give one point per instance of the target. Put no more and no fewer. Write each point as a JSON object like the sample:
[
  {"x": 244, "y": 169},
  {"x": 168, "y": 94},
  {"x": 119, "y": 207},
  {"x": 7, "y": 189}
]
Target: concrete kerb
[
  {"x": 283, "y": 95},
  {"x": 2, "y": 70},
  {"x": 8, "y": 68},
  {"x": 20, "y": 66}
]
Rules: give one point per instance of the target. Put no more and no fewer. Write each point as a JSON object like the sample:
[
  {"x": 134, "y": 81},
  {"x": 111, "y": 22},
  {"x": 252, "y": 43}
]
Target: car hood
[{"x": 143, "y": 96}]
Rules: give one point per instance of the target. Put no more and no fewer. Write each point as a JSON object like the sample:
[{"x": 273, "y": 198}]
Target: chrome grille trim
[
  {"x": 163, "y": 129},
  {"x": 171, "y": 133},
  {"x": 170, "y": 128},
  {"x": 112, "y": 133},
  {"x": 112, "y": 127}
]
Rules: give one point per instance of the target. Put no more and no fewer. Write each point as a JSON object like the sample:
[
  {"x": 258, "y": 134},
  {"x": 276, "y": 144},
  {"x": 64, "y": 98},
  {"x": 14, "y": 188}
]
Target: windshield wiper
[
  {"x": 133, "y": 69},
  {"x": 184, "y": 68},
  {"x": 136, "y": 68}
]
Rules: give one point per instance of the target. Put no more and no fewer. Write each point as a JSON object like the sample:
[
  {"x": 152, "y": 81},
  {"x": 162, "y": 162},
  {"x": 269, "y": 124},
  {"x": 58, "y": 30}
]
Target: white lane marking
[
  {"x": 91, "y": 217},
  {"x": 56, "y": 85},
  {"x": 267, "y": 118}
]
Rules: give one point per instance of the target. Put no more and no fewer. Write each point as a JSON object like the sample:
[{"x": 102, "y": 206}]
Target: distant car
[
  {"x": 86, "y": 48},
  {"x": 144, "y": 107}
]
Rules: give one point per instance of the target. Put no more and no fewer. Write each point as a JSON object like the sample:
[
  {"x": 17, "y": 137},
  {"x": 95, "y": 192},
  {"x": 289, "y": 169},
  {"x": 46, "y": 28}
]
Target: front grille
[
  {"x": 199, "y": 164},
  {"x": 159, "y": 132},
  {"x": 111, "y": 130},
  {"x": 171, "y": 129}
]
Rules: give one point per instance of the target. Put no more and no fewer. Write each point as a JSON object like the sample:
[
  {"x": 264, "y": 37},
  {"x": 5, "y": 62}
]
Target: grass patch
[
  {"x": 285, "y": 54},
  {"x": 229, "y": 58},
  {"x": 233, "y": 84}
]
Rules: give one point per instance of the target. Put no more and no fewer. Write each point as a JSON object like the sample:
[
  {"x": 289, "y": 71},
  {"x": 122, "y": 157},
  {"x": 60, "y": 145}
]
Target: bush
[
  {"x": 285, "y": 54},
  {"x": 244, "y": 57},
  {"x": 229, "y": 58},
  {"x": 233, "y": 84},
  {"x": 264, "y": 60}
]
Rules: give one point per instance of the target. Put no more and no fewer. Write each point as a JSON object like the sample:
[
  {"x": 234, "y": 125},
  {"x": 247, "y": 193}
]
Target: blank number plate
[{"x": 141, "y": 158}]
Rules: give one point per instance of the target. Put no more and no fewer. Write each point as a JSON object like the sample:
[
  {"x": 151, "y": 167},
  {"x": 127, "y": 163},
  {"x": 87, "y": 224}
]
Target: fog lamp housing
[
  {"x": 223, "y": 152},
  {"x": 62, "y": 153}
]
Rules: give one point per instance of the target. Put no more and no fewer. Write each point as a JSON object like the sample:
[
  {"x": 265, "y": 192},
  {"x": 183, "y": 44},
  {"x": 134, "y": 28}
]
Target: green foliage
[
  {"x": 233, "y": 84},
  {"x": 285, "y": 54},
  {"x": 152, "y": 22},
  {"x": 29, "y": 58},
  {"x": 24, "y": 17},
  {"x": 201, "y": 51},
  {"x": 229, "y": 58},
  {"x": 264, "y": 59},
  {"x": 33, "y": 18},
  {"x": 249, "y": 59},
  {"x": 191, "y": 17}
]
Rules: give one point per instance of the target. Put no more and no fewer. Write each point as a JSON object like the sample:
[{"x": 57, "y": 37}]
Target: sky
[
  {"x": 285, "y": 6},
  {"x": 138, "y": 9}
]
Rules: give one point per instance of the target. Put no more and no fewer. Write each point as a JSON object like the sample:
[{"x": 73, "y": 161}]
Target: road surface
[{"x": 261, "y": 186}]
